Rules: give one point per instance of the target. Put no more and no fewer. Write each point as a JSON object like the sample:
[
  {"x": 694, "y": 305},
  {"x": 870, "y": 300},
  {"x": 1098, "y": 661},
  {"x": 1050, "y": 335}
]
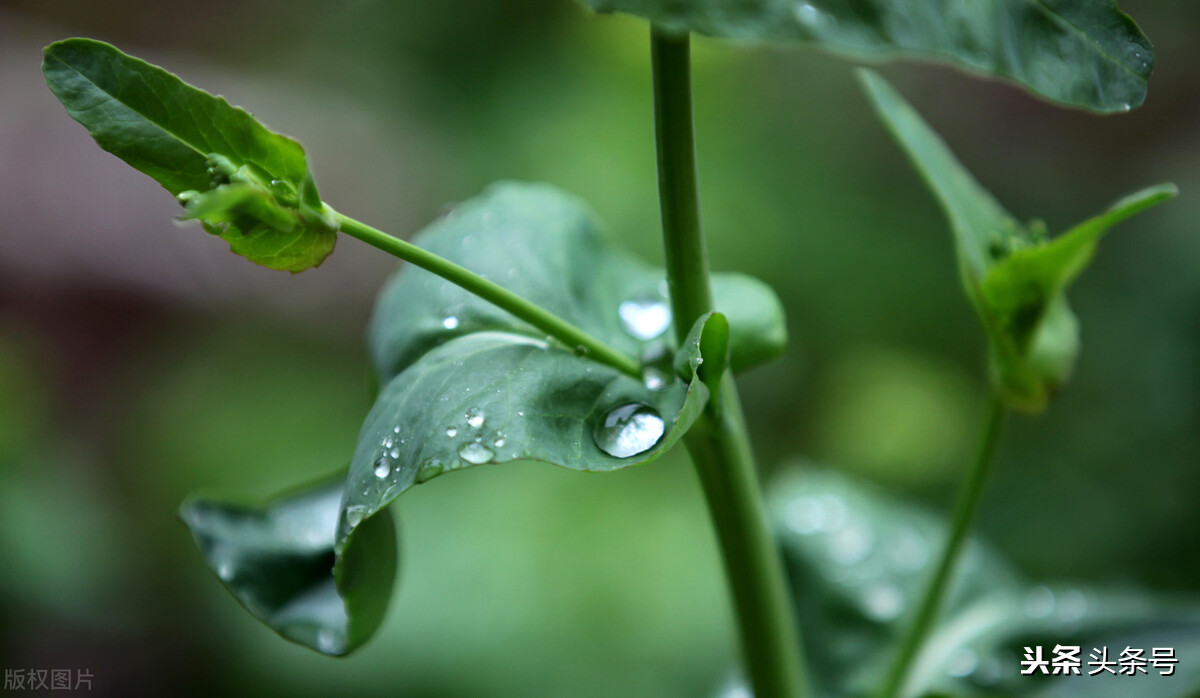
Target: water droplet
[
  {"x": 225, "y": 570},
  {"x": 326, "y": 641},
  {"x": 389, "y": 442},
  {"x": 629, "y": 430},
  {"x": 1126, "y": 107},
  {"x": 450, "y": 322},
  {"x": 654, "y": 378},
  {"x": 396, "y": 430},
  {"x": 520, "y": 413},
  {"x": 430, "y": 468},
  {"x": 355, "y": 515},
  {"x": 383, "y": 468},
  {"x": 475, "y": 453},
  {"x": 645, "y": 318},
  {"x": 499, "y": 442},
  {"x": 394, "y": 453},
  {"x": 581, "y": 350},
  {"x": 475, "y": 417},
  {"x": 451, "y": 432},
  {"x": 962, "y": 663},
  {"x": 883, "y": 602},
  {"x": 1039, "y": 602}
]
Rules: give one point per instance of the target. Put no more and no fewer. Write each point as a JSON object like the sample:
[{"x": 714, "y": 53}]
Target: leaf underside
[
  {"x": 1082, "y": 54},
  {"x": 1015, "y": 276},
  {"x": 279, "y": 562}
]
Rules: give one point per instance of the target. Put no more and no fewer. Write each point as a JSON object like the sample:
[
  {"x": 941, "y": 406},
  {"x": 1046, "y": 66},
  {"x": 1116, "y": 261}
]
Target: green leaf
[
  {"x": 1083, "y": 54},
  {"x": 1013, "y": 274},
  {"x": 279, "y": 562},
  {"x": 197, "y": 146},
  {"x": 465, "y": 384},
  {"x": 858, "y": 560}
]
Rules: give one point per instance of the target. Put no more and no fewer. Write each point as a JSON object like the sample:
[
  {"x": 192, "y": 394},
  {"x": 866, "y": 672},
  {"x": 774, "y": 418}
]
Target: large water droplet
[
  {"x": 645, "y": 318},
  {"x": 629, "y": 430},
  {"x": 475, "y": 417},
  {"x": 383, "y": 468},
  {"x": 450, "y": 322},
  {"x": 475, "y": 453}
]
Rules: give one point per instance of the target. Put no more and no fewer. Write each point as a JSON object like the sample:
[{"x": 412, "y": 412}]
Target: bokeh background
[{"x": 140, "y": 361}]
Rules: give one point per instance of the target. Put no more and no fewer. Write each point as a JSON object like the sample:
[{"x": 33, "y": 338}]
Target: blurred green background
[{"x": 140, "y": 361}]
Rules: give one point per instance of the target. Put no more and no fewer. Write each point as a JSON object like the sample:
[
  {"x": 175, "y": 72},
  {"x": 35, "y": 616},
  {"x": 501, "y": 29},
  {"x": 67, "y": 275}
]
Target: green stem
[
  {"x": 492, "y": 292},
  {"x": 719, "y": 443},
  {"x": 965, "y": 510}
]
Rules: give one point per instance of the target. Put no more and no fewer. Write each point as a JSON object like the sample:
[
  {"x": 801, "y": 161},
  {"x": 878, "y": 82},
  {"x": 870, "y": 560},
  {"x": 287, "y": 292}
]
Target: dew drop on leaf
[
  {"x": 475, "y": 418},
  {"x": 645, "y": 318},
  {"x": 430, "y": 468},
  {"x": 383, "y": 468},
  {"x": 355, "y": 515},
  {"x": 451, "y": 432},
  {"x": 629, "y": 430},
  {"x": 450, "y": 322},
  {"x": 476, "y": 453}
]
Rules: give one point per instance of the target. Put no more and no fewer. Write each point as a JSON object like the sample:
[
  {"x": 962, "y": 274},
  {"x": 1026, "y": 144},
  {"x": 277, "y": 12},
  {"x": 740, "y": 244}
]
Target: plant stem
[
  {"x": 492, "y": 292},
  {"x": 964, "y": 517},
  {"x": 719, "y": 443}
]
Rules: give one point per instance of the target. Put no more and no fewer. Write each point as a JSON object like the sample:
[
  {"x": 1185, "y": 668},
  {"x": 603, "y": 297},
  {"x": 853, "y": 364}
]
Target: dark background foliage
[{"x": 140, "y": 361}]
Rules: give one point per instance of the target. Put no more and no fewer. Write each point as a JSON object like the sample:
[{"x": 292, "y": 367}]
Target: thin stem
[
  {"x": 492, "y": 292},
  {"x": 719, "y": 443},
  {"x": 965, "y": 510}
]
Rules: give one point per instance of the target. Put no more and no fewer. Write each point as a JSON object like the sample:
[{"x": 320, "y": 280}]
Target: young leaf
[
  {"x": 1084, "y": 54},
  {"x": 1015, "y": 277},
  {"x": 466, "y": 384},
  {"x": 247, "y": 184},
  {"x": 279, "y": 563},
  {"x": 858, "y": 561}
]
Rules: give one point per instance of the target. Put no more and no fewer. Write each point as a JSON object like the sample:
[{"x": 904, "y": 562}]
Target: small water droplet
[
  {"x": 355, "y": 515},
  {"x": 430, "y": 468},
  {"x": 1039, "y": 602},
  {"x": 883, "y": 602},
  {"x": 628, "y": 430},
  {"x": 645, "y": 318},
  {"x": 962, "y": 663},
  {"x": 451, "y": 432},
  {"x": 654, "y": 378},
  {"x": 476, "y": 453},
  {"x": 396, "y": 430},
  {"x": 499, "y": 442},
  {"x": 475, "y": 417},
  {"x": 389, "y": 442},
  {"x": 520, "y": 413},
  {"x": 225, "y": 570},
  {"x": 383, "y": 468},
  {"x": 326, "y": 641},
  {"x": 450, "y": 322},
  {"x": 394, "y": 453},
  {"x": 581, "y": 350}
]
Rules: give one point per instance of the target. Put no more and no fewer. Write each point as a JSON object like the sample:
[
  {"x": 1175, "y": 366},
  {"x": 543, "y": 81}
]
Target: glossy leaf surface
[
  {"x": 1015, "y": 276},
  {"x": 859, "y": 560},
  {"x": 466, "y": 384},
  {"x": 247, "y": 184},
  {"x": 279, "y": 562},
  {"x": 1082, "y": 53}
]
